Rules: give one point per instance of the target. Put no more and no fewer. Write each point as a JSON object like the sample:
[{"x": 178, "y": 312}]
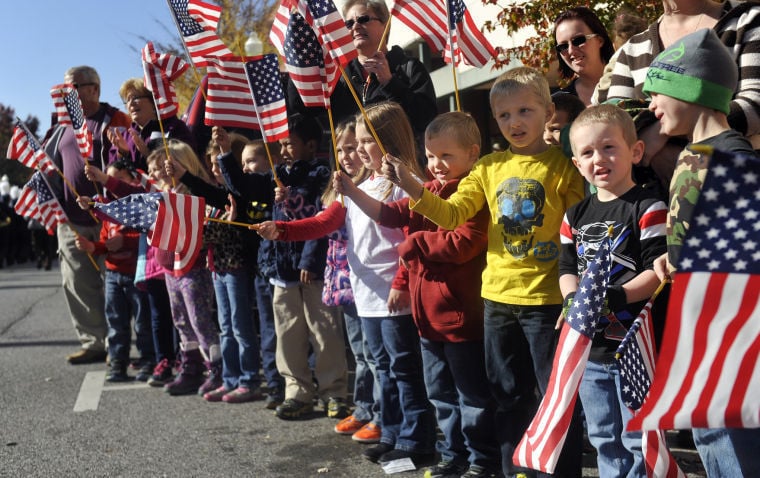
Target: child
[
  {"x": 123, "y": 298},
  {"x": 444, "y": 280},
  {"x": 566, "y": 108},
  {"x": 364, "y": 423},
  {"x": 296, "y": 272},
  {"x": 605, "y": 149},
  {"x": 527, "y": 189},
  {"x": 190, "y": 295},
  {"x": 692, "y": 84},
  {"x": 381, "y": 303}
]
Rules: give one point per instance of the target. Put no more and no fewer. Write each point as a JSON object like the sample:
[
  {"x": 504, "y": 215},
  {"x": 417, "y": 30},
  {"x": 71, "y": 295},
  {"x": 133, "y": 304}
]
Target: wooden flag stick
[
  {"x": 233, "y": 223},
  {"x": 361, "y": 108},
  {"x": 384, "y": 38}
]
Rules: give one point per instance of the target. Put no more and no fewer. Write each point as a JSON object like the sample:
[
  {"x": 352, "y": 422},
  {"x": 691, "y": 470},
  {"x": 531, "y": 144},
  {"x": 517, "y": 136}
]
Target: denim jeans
[
  {"x": 618, "y": 451},
  {"x": 366, "y": 388},
  {"x": 165, "y": 340},
  {"x": 456, "y": 383},
  {"x": 519, "y": 348},
  {"x": 406, "y": 417},
  {"x": 240, "y": 349},
  {"x": 728, "y": 451},
  {"x": 123, "y": 301},
  {"x": 263, "y": 290}
]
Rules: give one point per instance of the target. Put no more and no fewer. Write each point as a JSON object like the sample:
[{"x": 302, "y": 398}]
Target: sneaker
[
  {"x": 118, "y": 372},
  {"x": 162, "y": 374},
  {"x": 243, "y": 394},
  {"x": 446, "y": 469},
  {"x": 83, "y": 356},
  {"x": 274, "y": 399},
  {"x": 216, "y": 395},
  {"x": 214, "y": 378},
  {"x": 477, "y": 471},
  {"x": 374, "y": 453},
  {"x": 292, "y": 409},
  {"x": 145, "y": 371},
  {"x": 419, "y": 459},
  {"x": 349, "y": 425},
  {"x": 337, "y": 408},
  {"x": 369, "y": 433}
]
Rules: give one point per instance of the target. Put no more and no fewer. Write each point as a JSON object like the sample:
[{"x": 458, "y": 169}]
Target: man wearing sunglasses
[
  {"x": 378, "y": 74},
  {"x": 82, "y": 282}
]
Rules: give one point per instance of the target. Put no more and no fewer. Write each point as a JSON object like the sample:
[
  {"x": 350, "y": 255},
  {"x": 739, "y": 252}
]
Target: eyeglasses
[
  {"x": 78, "y": 85},
  {"x": 576, "y": 41},
  {"x": 133, "y": 99},
  {"x": 360, "y": 20}
]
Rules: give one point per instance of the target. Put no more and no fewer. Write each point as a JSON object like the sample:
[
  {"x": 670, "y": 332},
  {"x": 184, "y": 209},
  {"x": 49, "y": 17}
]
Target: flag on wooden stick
[
  {"x": 159, "y": 71},
  {"x": 68, "y": 107}
]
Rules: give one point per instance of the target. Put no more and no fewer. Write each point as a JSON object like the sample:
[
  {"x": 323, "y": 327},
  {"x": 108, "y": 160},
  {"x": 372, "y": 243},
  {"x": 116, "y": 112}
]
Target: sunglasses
[
  {"x": 361, "y": 20},
  {"x": 576, "y": 41}
]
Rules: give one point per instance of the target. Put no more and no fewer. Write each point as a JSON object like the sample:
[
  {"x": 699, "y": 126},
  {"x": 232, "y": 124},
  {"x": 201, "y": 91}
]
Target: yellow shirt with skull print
[{"x": 527, "y": 197}]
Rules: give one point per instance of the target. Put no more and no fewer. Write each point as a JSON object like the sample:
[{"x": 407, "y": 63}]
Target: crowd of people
[{"x": 448, "y": 283}]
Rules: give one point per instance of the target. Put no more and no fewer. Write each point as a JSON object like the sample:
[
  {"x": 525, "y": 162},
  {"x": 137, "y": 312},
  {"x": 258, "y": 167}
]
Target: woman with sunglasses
[
  {"x": 133, "y": 143},
  {"x": 584, "y": 48},
  {"x": 378, "y": 74}
]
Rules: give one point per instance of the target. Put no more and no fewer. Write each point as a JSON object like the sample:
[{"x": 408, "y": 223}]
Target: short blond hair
[
  {"x": 135, "y": 85},
  {"x": 459, "y": 126},
  {"x": 606, "y": 114},
  {"x": 522, "y": 78}
]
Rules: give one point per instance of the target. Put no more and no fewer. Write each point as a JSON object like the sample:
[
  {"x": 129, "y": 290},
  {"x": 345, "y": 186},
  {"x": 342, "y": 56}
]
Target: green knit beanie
[{"x": 697, "y": 69}]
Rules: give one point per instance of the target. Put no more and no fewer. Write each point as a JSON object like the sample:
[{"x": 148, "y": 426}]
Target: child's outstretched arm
[
  {"x": 400, "y": 175},
  {"x": 344, "y": 185}
]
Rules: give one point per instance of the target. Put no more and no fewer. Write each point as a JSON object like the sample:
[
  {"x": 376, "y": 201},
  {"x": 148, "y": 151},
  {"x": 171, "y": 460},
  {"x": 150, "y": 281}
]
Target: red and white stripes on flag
[
  {"x": 179, "y": 228},
  {"x": 68, "y": 108},
  {"x": 197, "y": 23},
  {"x": 263, "y": 75},
  {"x": 159, "y": 71},
  {"x": 330, "y": 28},
  {"x": 25, "y": 148},
  {"x": 37, "y": 201},
  {"x": 228, "y": 100},
  {"x": 428, "y": 19}
]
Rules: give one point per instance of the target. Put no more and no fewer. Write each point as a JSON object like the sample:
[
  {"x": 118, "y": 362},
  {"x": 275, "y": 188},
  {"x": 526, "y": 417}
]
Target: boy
[
  {"x": 527, "y": 190},
  {"x": 297, "y": 275},
  {"x": 605, "y": 149},
  {"x": 567, "y": 107},
  {"x": 445, "y": 300},
  {"x": 691, "y": 84}
]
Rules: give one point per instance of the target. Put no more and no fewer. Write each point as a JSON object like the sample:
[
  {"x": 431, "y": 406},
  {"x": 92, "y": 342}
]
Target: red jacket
[
  {"x": 123, "y": 260},
  {"x": 445, "y": 269}
]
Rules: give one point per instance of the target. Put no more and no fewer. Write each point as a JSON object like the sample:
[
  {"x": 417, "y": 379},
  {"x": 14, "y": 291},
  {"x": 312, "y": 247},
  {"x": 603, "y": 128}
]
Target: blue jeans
[
  {"x": 366, "y": 388},
  {"x": 519, "y": 348},
  {"x": 728, "y": 451},
  {"x": 165, "y": 338},
  {"x": 123, "y": 301},
  {"x": 406, "y": 417},
  {"x": 240, "y": 349},
  {"x": 263, "y": 290},
  {"x": 618, "y": 451},
  {"x": 457, "y": 386}
]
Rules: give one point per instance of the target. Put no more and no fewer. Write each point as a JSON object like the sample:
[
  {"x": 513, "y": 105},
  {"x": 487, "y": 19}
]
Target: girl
[
  {"x": 383, "y": 308},
  {"x": 190, "y": 295}
]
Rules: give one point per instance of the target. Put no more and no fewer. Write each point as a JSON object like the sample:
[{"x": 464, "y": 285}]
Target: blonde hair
[
  {"x": 348, "y": 126},
  {"x": 606, "y": 114},
  {"x": 457, "y": 125},
  {"x": 186, "y": 157},
  {"x": 522, "y": 79},
  {"x": 395, "y": 133},
  {"x": 134, "y": 84}
]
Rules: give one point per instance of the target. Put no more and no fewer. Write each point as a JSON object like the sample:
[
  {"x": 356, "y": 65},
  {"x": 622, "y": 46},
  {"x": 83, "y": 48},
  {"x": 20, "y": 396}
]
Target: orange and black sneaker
[
  {"x": 369, "y": 433},
  {"x": 349, "y": 425}
]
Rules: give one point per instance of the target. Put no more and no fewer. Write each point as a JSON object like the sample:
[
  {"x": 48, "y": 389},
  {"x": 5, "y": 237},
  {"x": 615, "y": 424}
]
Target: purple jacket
[{"x": 174, "y": 128}]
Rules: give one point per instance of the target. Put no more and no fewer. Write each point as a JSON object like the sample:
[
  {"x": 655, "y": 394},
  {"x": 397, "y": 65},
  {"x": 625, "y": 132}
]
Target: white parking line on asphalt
[
  {"x": 89, "y": 393},
  {"x": 93, "y": 387}
]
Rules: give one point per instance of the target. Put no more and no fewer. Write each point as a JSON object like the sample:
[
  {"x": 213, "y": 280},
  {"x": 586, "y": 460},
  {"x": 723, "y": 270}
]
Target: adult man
[{"x": 82, "y": 281}]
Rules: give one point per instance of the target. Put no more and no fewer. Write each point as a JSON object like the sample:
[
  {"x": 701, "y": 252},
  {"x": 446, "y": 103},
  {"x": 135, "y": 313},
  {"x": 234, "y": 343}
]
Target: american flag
[
  {"x": 636, "y": 356},
  {"x": 37, "y": 201},
  {"x": 197, "y": 22},
  {"x": 159, "y": 71},
  {"x": 313, "y": 72},
  {"x": 330, "y": 28},
  {"x": 266, "y": 89},
  {"x": 137, "y": 211},
  {"x": 427, "y": 18},
  {"x": 68, "y": 106},
  {"x": 25, "y": 148},
  {"x": 179, "y": 228},
  {"x": 708, "y": 370},
  {"x": 542, "y": 443},
  {"x": 228, "y": 101}
]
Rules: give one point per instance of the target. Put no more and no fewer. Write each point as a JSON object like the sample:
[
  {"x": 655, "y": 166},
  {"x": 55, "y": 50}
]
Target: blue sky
[{"x": 41, "y": 39}]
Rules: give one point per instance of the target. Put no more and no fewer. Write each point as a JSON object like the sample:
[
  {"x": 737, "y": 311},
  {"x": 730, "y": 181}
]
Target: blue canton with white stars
[
  {"x": 137, "y": 211},
  {"x": 40, "y": 186},
  {"x": 588, "y": 303},
  {"x": 301, "y": 46},
  {"x": 74, "y": 107},
  {"x": 456, "y": 12},
  {"x": 320, "y": 8},
  {"x": 187, "y": 25},
  {"x": 264, "y": 76},
  {"x": 634, "y": 379}
]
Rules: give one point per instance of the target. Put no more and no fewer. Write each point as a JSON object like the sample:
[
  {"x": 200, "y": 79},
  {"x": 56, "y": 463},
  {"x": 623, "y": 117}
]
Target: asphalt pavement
[{"x": 60, "y": 420}]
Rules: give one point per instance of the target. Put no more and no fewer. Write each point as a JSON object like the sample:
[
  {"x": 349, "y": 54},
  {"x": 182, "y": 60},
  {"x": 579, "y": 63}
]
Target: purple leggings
[{"x": 191, "y": 297}]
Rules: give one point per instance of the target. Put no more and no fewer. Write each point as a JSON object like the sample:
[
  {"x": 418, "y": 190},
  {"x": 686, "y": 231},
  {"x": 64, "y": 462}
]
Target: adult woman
[
  {"x": 737, "y": 25},
  {"x": 378, "y": 74},
  {"x": 133, "y": 144},
  {"x": 584, "y": 48}
]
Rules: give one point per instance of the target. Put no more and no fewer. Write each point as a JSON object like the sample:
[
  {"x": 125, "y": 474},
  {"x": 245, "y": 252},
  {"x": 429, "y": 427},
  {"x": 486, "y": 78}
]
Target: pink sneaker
[
  {"x": 215, "y": 395},
  {"x": 243, "y": 394}
]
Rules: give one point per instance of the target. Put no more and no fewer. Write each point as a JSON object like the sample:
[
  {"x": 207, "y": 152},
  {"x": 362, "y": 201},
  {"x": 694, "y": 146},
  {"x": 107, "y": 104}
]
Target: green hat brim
[{"x": 688, "y": 88}]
